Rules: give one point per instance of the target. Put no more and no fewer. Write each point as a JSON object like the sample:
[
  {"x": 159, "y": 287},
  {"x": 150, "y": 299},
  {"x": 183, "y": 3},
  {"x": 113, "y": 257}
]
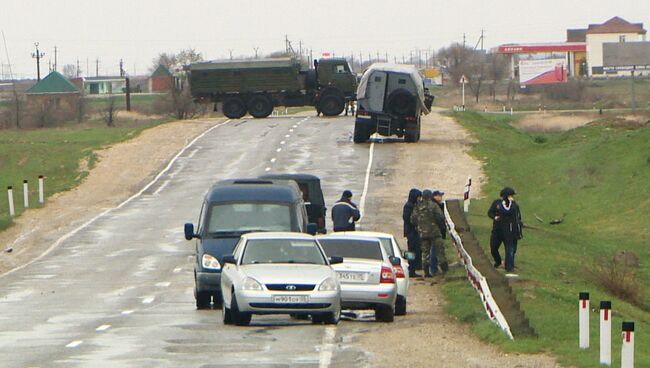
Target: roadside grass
[
  {"x": 139, "y": 102},
  {"x": 57, "y": 154},
  {"x": 595, "y": 178}
]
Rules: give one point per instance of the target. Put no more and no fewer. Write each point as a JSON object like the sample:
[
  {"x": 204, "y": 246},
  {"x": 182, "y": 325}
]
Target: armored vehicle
[
  {"x": 256, "y": 86},
  {"x": 391, "y": 99}
]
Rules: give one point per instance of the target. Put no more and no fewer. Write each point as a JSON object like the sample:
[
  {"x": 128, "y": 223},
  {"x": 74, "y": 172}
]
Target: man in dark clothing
[
  {"x": 506, "y": 228},
  {"x": 345, "y": 213},
  {"x": 427, "y": 216},
  {"x": 411, "y": 231},
  {"x": 438, "y": 257}
]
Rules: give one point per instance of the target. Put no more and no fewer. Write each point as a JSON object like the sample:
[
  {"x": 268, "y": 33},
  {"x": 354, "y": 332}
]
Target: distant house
[
  {"x": 101, "y": 85},
  {"x": 53, "y": 97},
  {"x": 160, "y": 80}
]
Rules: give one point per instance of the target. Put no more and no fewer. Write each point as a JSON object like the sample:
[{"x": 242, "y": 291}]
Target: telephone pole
[
  {"x": 97, "y": 67},
  {"x": 121, "y": 68},
  {"x": 38, "y": 55},
  {"x": 55, "y": 53},
  {"x": 230, "y": 51},
  {"x": 256, "y": 49},
  {"x": 78, "y": 73}
]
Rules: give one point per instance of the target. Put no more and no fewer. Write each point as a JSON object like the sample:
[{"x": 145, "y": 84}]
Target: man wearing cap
[
  {"x": 345, "y": 213},
  {"x": 438, "y": 256},
  {"x": 506, "y": 227},
  {"x": 427, "y": 217}
]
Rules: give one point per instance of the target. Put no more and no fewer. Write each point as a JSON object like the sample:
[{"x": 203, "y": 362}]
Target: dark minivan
[{"x": 235, "y": 207}]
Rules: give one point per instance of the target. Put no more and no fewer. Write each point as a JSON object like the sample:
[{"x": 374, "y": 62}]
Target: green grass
[
  {"x": 139, "y": 102},
  {"x": 598, "y": 176},
  {"x": 54, "y": 153}
]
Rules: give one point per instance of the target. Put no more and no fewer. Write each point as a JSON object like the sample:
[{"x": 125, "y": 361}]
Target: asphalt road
[{"x": 118, "y": 293}]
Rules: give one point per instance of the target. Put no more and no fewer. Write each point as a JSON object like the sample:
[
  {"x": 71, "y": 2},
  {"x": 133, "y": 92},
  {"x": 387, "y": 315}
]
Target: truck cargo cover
[
  {"x": 410, "y": 70},
  {"x": 245, "y": 64}
]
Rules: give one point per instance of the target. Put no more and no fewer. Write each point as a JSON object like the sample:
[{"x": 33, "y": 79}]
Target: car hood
[{"x": 288, "y": 273}]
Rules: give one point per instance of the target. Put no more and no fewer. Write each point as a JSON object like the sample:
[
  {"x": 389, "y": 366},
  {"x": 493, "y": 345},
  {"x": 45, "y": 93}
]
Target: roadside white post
[
  {"x": 463, "y": 80},
  {"x": 41, "y": 194},
  {"x": 511, "y": 111},
  {"x": 606, "y": 333},
  {"x": 25, "y": 194},
  {"x": 583, "y": 316},
  {"x": 627, "y": 350},
  {"x": 466, "y": 197},
  {"x": 10, "y": 195}
]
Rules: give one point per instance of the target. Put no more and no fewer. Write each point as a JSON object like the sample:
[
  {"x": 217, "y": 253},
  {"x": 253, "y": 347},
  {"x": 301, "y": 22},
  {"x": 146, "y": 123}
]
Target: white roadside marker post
[
  {"x": 627, "y": 350},
  {"x": 466, "y": 197},
  {"x": 25, "y": 194},
  {"x": 606, "y": 333},
  {"x": 41, "y": 194},
  {"x": 583, "y": 316},
  {"x": 10, "y": 195}
]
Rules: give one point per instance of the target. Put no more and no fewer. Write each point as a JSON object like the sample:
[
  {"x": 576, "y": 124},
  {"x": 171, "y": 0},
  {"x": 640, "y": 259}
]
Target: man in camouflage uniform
[{"x": 428, "y": 217}]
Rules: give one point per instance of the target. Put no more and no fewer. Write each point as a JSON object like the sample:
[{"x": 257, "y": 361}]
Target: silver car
[
  {"x": 279, "y": 273},
  {"x": 367, "y": 277},
  {"x": 391, "y": 247}
]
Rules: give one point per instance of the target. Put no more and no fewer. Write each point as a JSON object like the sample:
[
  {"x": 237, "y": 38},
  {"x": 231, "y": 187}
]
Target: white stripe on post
[
  {"x": 10, "y": 195},
  {"x": 606, "y": 333},
  {"x": 583, "y": 316},
  {"x": 41, "y": 194},
  {"x": 466, "y": 194},
  {"x": 627, "y": 350},
  {"x": 25, "y": 194}
]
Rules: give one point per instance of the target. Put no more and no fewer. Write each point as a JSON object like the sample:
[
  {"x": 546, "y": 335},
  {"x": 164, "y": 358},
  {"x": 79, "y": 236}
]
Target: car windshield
[
  {"x": 352, "y": 248},
  {"x": 243, "y": 217},
  {"x": 388, "y": 246},
  {"x": 282, "y": 251}
]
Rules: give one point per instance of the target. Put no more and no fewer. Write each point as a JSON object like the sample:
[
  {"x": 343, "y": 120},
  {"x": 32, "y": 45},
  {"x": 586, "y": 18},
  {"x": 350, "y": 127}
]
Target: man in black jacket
[
  {"x": 411, "y": 231},
  {"x": 438, "y": 256},
  {"x": 345, "y": 213},
  {"x": 506, "y": 227}
]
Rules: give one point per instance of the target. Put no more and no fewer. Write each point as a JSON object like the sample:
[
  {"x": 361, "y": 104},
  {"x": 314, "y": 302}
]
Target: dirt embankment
[
  {"x": 122, "y": 170},
  {"x": 427, "y": 336}
]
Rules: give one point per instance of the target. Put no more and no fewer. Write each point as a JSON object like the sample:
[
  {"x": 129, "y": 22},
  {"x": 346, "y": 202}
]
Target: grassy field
[
  {"x": 597, "y": 178},
  {"x": 54, "y": 153},
  {"x": 139, "y": 102}
]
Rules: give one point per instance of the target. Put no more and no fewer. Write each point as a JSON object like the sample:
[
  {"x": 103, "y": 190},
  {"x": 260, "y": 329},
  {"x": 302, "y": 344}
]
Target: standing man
[
  {"x": 345, "y": 213},
  {"x": 506, "y": 228},
  {"x": 438, "y": 255},
  {"x": 427, "y": 217},
  {"x": 411, "y": 231}
]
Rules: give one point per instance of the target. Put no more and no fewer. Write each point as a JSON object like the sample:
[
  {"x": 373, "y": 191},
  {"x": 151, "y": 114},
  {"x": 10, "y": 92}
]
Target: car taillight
[
  {"x": 387, "y": 276},
  {"x": 399, "y": 272},
  {"x": 410, "y": 118},
  {"x": 363, "y": 112}
]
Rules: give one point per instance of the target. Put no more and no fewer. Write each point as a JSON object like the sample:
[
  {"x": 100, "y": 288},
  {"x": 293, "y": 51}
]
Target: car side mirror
[
  {"x": 229, "y": 259},
  {"x": 410, "y": 256},
  {"x": 395, "y": 261},
  {"x": 189, "y": 231},
  {"x": 336, "y": 260},
  {"x": 312, "y": 228}
]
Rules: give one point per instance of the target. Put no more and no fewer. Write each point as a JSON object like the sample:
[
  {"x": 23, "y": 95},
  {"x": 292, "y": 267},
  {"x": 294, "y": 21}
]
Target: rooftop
[
  {"x": 54, "y": 82},
  {"x": 616, "y": 25}
]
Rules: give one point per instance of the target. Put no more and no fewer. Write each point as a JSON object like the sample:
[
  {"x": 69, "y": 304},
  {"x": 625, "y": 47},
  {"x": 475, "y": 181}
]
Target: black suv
[{"x": 235, "y": 207}]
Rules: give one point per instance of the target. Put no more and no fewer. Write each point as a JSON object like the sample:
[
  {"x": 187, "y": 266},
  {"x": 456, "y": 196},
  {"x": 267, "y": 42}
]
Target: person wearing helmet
[{"x": 506, "y": 227}]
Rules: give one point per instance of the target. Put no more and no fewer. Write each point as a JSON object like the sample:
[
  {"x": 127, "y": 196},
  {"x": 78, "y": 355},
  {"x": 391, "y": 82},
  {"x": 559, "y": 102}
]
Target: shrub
[
  {"x": 573, "y": 90},
  {"x": 619, "y": 278}
]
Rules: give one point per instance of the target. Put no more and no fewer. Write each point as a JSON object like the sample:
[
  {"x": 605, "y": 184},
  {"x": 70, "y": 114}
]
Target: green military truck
[{"x": 257, "y": 86}]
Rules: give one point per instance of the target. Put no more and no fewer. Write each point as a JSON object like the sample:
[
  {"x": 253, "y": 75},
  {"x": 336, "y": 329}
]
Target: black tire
[
  {"x": 202, "y": 299},
  {"x": 234, "y": 108},
  {"x": 217, "y": 299},
  {"x": 331, "y": 318},
  {"x": 412, "y": 133},
  {"x": 361, "y": 133},
  {"x": 401, "y": 103},
  {"x": 239, "y": 318},
  {"x": 385, "y": 313},
  {"x": 226, "y": 315},
  {"x": 260, "y": 106},
  {"x": 400, "y": 306},
  {"x": 331, "y": 104}
]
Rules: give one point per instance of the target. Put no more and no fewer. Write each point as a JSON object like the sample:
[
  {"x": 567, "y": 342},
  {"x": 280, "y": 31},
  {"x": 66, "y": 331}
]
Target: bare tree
[
  {"x": 173, "y": 61},
  {"x": 70, "y": 71},
  {"x": 110, "y": 111},
  {"x": 43, "y": 113}
]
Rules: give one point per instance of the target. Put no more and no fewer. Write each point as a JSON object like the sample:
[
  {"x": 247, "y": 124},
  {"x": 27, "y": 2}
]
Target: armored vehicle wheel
[
  {"x": 361, "y": 133},
  {"x": 260, "y": 106},
  {"x": 234, "y": 108},
  {"x": 412, "y": 135},
  {"x": 331, "y": 104},
  {"x": 401, "y": 103}
]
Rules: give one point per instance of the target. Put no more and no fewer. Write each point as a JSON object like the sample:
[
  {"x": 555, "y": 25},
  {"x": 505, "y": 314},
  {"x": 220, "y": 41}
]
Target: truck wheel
[
  {"x": 331, "y": 104},
  {"x": 361, "y": 133},
  {"x": 411, "y": 135},
  {"x": 234, "y": 108},
  {"x": 260, "y": 106}
]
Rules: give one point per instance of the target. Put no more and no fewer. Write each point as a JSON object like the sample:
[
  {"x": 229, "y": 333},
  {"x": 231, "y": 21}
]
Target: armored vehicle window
[
  {"x": 249, "y": 216},
  {"x": 401, "y": 81},
  {"x": 377, "y": 79},
  {"x": 340, "y": 69}
]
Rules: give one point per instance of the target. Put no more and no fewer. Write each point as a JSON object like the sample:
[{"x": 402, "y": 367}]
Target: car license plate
[
  {"x": 353, "y": 276},
  {"x": 290, "y": 299}
]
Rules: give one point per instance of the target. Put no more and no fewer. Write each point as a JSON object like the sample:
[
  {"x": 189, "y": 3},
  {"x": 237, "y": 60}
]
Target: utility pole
[
  {"x": 37, "y": 55},
  {"x": 463, "y": 40},
  {"x": 55, "y": 53},
  {"x": 482, "y": 38},
  {"x": 300, "y": 48},
  {"x": 49, "y": 66},
  {"x": 230, "y": 51},
  {"x": 386, "y": 57},
  {"x": 78, "y": 72},
  {"x": 97, "y": 67},
  {"x": 87, "y": 67},
  {"x": 121, "y": 68},
  {"x": 256, "y": 49}
]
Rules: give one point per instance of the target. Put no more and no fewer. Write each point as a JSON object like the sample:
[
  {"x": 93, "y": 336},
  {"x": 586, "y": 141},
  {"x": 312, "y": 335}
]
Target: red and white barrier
[
  {"x": 10, "y": 197},
  {"x": 606, "y": 333},
  {"x": 25, "y": 194},
  {"x": 41, "y": 192},
  {"x": 583, "y": 318},
  {"x": 466, "y": 194},
  {"x": 627, "y": 350},
  {"x": 477, "y": 280}
]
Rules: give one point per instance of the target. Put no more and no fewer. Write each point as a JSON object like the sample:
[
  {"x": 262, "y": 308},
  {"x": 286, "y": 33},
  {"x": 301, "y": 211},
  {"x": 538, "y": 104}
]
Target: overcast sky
[{"x": 138, "y": 30}]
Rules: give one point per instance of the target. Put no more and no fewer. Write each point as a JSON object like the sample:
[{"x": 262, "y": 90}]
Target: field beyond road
[{"x": 593, "y": 178}]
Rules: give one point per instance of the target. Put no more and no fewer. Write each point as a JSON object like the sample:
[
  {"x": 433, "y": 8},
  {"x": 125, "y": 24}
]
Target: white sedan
[
  {"x": 279, "y": 273},
  {"x": 393, "y": 249}
]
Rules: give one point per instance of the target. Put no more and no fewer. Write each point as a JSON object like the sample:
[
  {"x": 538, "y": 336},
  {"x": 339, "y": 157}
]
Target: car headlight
[
  {"x": 210, "y": 262},
  {"x": 328, "y": 285},
  {"x": 251, "y": 284}
]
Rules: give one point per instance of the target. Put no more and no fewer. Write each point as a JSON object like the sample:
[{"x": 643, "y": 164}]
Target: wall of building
[{"x": 595, "y": 47}]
